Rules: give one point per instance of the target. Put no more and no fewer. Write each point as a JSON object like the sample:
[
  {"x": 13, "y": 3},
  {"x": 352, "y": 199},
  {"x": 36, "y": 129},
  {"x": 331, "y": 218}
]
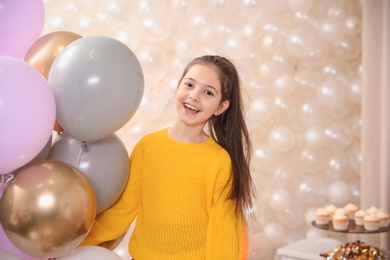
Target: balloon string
[
  {"x": 6, "y": 178},
  {"x": 82, "y": 149}
]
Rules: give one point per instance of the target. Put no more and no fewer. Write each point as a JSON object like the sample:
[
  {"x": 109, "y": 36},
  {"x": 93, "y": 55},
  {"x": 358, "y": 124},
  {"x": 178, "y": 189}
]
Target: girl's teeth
[{"x": 191, "y": 107}]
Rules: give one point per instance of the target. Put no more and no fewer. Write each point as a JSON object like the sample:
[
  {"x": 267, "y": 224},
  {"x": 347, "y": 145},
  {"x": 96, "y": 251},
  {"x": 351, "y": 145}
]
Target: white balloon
[
  {"x": 263, "y": 214},
  {"x": 355, "y": 91},
  {"x": 268, "y": 70},
  {"x": 272, "y": 42},
  {"x": 338, "y": 136},
  {"x": 331, "y": 92},
  {"x": 357, "y": 126},
  {"x": 312, "y": 160},
  {"x": 262, "y": 108},
  {"x": 330, "y": 29},
  {"x": 286, "y": 109},
  {"x": 266, "y": 159},
  {"x": 154, "y": 63},
  {"x": 300, "y": 41},
  {"x": 338, "y": 167},
  {"x": 285, "y": 84},
  {"x": 291, "y": 217},
  {"x": 339, "y": 193},
  {"x": 355, "y": 158},
  {"x": 90, "y": 252},
  {"x": 311, "y": 191},
  {"x": 314, "y": 137},
  {"x": 275, "y": 233},
  {"x": 300, "y": 5},
  {"x": 285, "y": 176},
  {"x": 315, "y": 233},
  {"x": 307, "y": 81},
  {"x": 338, "y": 69},
  {"x": 347, "y": 47},
  {"x": 151, "y": 106},
  {"x": 309, "y": 215},
  {"x": 317, "y": 55},
  {"x": 352, "y": 25},
  {"x": 337, "y": 9},
  {"x": 279, "y": 199},
  {"x": 154, "y": 28},
  {"x": 310, "y": 113},
  {"x": 354, "y": 188},
  {"x": 281, "y": 139},
  {"x": 261, "y": 247}
]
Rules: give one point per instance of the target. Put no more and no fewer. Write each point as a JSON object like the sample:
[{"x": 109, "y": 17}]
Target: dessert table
[{"x": 306, "y": 249}]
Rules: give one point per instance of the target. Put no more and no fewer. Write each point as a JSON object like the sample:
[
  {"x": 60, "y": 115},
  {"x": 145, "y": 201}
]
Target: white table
[{"x": 307, "y": 249}]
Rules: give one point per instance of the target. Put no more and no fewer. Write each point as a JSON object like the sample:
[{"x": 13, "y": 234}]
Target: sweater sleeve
[
  {"x": 225, "y": 226},
  {"x": 115, "y": 221}
]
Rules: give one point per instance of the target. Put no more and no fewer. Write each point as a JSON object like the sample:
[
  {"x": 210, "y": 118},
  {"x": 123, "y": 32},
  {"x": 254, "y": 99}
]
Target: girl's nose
[{"x": 193, "y": 96}]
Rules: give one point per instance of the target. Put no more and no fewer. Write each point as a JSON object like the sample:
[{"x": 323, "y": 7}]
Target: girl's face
[{"x": 199, "y": 95}]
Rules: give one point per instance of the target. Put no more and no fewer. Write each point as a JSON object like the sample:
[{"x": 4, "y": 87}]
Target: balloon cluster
[{"x": 79, "y": 90}]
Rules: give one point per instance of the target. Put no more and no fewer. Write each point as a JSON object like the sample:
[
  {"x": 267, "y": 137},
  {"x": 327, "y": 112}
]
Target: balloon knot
[
  {"x": 7, "y": 178},
  {"x": 84, "y": 146}
]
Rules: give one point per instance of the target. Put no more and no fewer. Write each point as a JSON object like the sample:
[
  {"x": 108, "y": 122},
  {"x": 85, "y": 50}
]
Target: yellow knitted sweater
[{"x": 178, "y": 193}]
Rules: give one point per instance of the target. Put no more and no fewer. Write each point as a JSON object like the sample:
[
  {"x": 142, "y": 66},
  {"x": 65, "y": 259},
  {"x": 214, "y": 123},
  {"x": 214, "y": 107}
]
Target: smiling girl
[{"x": 189, "y": 187}]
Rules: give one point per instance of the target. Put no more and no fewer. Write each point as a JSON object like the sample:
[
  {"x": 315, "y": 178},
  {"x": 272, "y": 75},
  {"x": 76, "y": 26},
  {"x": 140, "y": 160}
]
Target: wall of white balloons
[{"x": 300, "y": 62}]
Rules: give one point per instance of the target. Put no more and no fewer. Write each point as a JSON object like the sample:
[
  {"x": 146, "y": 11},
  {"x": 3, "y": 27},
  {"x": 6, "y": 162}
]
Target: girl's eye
[
  {"x": 209, "y": 93},
  {"x": 188, "y": 85}
]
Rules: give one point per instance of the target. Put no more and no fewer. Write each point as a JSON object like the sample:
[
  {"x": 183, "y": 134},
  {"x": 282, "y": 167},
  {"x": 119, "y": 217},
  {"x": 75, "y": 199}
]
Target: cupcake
[
  {"x": 340, "y": 211},
  {"x": 384, "y": 218},
  {"x": 330, "y": 209},
  {"x": 350, "y": 210},
  {"x": 359, "y": 217},
  {"x": 322, "y": 217},
  {"x": 340, "y": 222},
  {"x": 372, "y": 210},
  {"x": 371, "y": 222}
]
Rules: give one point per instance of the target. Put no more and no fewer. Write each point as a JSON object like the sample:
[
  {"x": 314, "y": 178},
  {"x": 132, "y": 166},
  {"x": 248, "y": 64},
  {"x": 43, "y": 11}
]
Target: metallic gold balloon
[
  {"x": 48, "y": 209},
  {"x": 43, "y": 52}
]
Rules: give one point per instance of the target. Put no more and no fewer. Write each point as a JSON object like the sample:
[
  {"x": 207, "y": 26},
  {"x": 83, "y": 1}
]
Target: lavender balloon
[
  {"x": 21, "y": 24},
  {"x": 27, "y": 113}
]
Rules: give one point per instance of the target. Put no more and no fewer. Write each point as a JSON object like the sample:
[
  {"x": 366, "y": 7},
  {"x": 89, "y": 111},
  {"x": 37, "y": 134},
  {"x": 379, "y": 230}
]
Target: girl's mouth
[{"x": 190, "y": 107}]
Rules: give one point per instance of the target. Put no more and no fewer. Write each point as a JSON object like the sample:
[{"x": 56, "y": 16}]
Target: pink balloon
[
  {"x": 21, "y": 24},
  {"x": 27, "y": 113}
]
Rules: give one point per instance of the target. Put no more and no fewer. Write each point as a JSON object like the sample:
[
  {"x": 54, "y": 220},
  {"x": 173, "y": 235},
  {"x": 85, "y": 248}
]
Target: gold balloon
[
  {"x": 43, "y": 52},
  {"x": 48, "y": 209}
]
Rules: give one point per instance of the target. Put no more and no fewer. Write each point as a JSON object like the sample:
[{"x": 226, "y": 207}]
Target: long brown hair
[{"x": 230, "y": 131}]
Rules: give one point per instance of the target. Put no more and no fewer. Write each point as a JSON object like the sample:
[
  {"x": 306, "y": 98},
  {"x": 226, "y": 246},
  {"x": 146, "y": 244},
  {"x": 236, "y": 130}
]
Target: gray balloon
[
  {"x": 105, "y": 164},
  {"x": 98, "y": 85}
]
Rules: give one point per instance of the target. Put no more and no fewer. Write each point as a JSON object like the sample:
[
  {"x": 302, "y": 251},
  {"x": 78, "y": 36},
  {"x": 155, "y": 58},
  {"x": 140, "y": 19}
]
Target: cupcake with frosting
[
  {"x": 359, "y": 217},
  {"x": 331, "y": 209},
  {"x": 371, "y": 222},
  {"x": 350, "y": 210},
  {"x": 340, "y": 211},
  {"x": 322, "y": 217},
  {"x": 384, "y": 218},
  {"x": 372, "y": 210},
  {"x": 340, "y": 222}
]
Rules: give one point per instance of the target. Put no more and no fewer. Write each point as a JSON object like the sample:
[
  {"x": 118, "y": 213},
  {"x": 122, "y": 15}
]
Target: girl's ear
[{"x": 222, "y": 107}]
